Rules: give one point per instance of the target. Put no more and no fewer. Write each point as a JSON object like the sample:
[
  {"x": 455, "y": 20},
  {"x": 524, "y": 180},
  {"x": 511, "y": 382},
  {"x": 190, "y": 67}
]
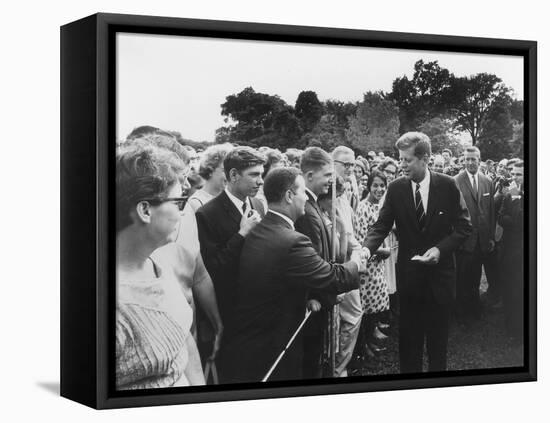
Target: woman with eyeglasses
[{"x": 154, "y": 346}]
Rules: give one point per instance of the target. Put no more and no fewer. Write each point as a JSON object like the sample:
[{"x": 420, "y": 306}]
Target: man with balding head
[{"x": 278, "y": 266}]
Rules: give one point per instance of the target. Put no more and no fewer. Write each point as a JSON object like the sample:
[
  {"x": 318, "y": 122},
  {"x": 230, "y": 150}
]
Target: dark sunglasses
[{"x": 178, "y": 201}]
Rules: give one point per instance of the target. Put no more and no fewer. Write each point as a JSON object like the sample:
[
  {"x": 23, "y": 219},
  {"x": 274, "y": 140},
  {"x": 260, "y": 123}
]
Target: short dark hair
[
  {"x": 418, "y": 140},
  {"x": 241, "y": 158},
  {"x": 376, "y": 174},
  {"x": 314, "y": 158},
  {"x": 278, "y": 182},
  {"x": 472, "y": 149},
  {"x": 142, "y": 171}
]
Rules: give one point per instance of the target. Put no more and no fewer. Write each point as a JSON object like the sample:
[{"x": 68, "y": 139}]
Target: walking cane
[
  {"x": 308, "y": 313},
  {"x": 334, "y": 314}
]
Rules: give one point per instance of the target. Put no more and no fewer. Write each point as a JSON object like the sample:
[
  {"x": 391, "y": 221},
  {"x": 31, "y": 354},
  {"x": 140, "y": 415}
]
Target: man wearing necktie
[
  {"x": 224, "y": 222},
  {"x": 316, "y": 166},
  {"x": 432, "y": 221},
  {"x": 479, "y": 248}
]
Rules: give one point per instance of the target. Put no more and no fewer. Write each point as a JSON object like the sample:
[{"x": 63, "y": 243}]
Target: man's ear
[
  {"x": 288, "y": 198},
  {"x": 233, "y": 173},
  {"x": 143, "y": 212},
  {"x": 309, "y": 175}
]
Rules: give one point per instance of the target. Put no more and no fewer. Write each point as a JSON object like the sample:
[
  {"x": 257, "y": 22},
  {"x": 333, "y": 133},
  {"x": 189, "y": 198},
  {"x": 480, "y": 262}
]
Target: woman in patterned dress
[
  {"x": 389, "y": 168},
  {"x": 154, "y": 345},
  {"x": 373, "y": 288}
]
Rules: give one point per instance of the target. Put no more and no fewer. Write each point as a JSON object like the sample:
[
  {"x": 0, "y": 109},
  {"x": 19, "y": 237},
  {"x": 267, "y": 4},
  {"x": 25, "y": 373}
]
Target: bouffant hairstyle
[
  {"x": 161, "y": 139},
  {"x": 212, "y": 158},
  {"x": 241, "y": 158},
  {"x": 272, "y": 157},
  {"x": 143, "y": 172},
  {"x": 278, "y": 182}
]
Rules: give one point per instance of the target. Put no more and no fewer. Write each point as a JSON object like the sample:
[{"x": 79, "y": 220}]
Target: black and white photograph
[
  {"x": 298, "y": 212},
  {"x": 272, "y": 212}
]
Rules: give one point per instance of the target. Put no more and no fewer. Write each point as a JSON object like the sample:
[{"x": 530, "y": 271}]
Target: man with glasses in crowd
[{"x": 350, "y": 309}]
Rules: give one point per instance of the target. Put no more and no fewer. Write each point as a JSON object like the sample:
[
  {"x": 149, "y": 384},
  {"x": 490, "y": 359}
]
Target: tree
[
  {"x": 308, "y": 109},
  {"x": 441, "y": 135},
  {"x": 517, "y": 143},
  {"x": 375, "y": 125},
  {"x": 473, "y": 97},
  {"x": 497, "y": 129},
  {"x": 426, "y": 96},
  {"x": 260, "y": 119}
]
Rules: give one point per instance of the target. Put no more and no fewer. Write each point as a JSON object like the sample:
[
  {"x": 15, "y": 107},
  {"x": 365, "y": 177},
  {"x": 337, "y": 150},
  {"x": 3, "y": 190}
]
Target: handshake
[{"x": 361, "y": 257}]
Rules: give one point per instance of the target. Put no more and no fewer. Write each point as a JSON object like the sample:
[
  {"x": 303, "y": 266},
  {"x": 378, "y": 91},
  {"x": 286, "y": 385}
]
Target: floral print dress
[{"x": 374, "y": 288}]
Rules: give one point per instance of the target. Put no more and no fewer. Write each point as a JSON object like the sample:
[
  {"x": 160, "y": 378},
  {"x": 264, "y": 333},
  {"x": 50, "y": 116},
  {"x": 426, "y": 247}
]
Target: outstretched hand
[{"x": 431, "y": 256}]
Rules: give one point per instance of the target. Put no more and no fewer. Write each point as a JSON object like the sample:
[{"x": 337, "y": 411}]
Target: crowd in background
[{"x": 188, "y": 231}]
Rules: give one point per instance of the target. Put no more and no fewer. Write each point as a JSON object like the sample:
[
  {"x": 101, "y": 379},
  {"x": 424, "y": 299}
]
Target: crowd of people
[{"x": 257, "y": 264}]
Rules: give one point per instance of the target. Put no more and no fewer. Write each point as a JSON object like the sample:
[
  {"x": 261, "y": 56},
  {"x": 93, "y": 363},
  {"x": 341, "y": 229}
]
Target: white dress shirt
[
  {"x": 472, "y": 177},
  {"x": 424, "y": 190},
  {"x": 238, "y": 203}
]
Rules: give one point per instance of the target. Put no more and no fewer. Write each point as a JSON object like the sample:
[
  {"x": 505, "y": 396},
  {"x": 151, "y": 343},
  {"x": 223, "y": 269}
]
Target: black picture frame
[{"x": 87, "y": 207}]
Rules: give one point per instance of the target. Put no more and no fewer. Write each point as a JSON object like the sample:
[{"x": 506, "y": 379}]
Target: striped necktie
[{"x": 420, "y": 213}]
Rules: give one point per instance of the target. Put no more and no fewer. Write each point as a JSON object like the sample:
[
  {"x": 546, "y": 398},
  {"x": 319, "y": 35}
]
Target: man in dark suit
[
  {"x": 316, "y": 166},
  {"x": 511, "y": 217},
  {"x": 224, "y": 221},
  {"x": 432, "y": 221},
  {"x": 277, "y": 268},
  {"x": 478, "y": 249}
]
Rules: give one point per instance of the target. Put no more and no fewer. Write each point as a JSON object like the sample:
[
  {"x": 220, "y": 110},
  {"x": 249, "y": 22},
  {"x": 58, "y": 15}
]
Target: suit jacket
[
  {"x": 446, "y": 227},
  {"x": 510, "y": 217},
  {"x": 482, "y": 211},
  {"x": 277, "y": 267},
  {"x": 311, "y": 224},
  {"x": 218, "y": 223}
]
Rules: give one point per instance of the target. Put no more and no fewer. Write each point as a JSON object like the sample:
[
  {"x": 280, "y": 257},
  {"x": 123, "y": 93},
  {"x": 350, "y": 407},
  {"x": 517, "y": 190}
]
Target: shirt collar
[
  {"x": 312, "y": 194},
  {"x": 424, "y": 183},
  {"x": 238, "y": 203},
  {"x": 288, "y": 219}
]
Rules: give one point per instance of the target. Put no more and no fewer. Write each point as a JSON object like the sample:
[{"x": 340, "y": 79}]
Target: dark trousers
[
  {"x": 469, "y": 279},
  {"x": 313, "y": 341},
  {"x": 513, "y": 289},
  {"x": 419, "y": 320}
]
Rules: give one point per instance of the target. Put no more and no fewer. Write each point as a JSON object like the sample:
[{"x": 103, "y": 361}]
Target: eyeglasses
[
  {"x": 347, "y": 165},
  {"x": 178, "y": 201}
]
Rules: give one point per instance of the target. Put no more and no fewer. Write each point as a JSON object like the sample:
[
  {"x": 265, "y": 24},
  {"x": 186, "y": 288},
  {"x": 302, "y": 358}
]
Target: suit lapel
[
  {"x": 325, "y": 235},
  {"x": 466, "y": 181},
  {"x": 432, "y": 198},
  {"x": 231, "y": 209}
]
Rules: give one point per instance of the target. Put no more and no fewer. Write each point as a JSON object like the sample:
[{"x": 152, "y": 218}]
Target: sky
[{"x": 178, "y": 83}]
